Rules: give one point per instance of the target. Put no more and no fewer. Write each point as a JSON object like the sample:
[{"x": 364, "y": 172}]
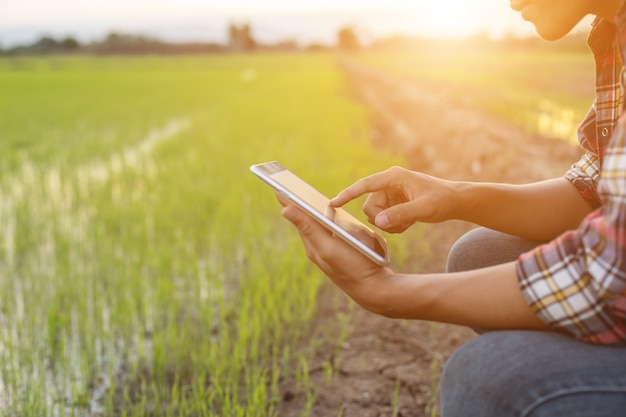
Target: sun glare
[{"x": 448, "y": 18}]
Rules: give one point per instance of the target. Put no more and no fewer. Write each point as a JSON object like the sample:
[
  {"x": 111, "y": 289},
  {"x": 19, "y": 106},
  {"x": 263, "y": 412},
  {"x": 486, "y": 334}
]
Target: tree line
[{"x": 241, "y": 39}]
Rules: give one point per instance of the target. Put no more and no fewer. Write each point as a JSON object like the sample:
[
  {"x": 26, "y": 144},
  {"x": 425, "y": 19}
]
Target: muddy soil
[{"x": 392, "y": 367}]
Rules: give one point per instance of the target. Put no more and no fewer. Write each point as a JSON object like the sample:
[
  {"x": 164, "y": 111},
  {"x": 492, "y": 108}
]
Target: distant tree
[
  {"x": 240, "y": 37},
  {"x": 114, "y": 38},
  {"x": 46, "y": 43},
  {"x": 69, "y": 44},
  {"x": 347, "y": 39}
]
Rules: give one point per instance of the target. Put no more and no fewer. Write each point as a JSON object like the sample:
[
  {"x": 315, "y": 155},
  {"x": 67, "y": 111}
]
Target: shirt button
[{"x": 605, "y": 132}]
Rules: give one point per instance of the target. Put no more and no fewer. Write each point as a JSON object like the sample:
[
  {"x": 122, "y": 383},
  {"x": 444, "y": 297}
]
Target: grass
[
  {"x": 542, "y": 91},
  {"x": 143, "y": 270}
]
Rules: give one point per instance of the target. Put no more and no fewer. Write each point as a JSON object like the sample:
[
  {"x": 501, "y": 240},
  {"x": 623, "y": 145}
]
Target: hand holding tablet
[{"x": 316, "y": 204}]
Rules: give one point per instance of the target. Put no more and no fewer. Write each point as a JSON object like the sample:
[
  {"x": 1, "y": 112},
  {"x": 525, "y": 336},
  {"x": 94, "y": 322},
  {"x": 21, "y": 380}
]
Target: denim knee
[
  {"x": 533, "y": 374},
  {"x": 484, "y": 247},
  {"x": 470, "y": 385}
]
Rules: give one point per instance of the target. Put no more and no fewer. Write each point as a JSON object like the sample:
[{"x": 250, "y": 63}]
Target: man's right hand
[{"x": 399, "y": 198}]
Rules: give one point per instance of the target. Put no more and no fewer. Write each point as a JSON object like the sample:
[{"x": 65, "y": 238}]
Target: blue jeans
[{"x": 527, "y": 373}]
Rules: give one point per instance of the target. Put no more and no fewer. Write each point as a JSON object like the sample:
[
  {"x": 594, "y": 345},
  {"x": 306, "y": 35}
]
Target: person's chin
[{"x": 550, "y": 34}]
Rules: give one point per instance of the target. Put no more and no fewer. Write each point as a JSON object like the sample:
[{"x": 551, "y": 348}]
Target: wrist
[
  {"x": 462, "y": 197},
  {"x": 396, "y": 295},
  {"x": 373, "y": 293}
]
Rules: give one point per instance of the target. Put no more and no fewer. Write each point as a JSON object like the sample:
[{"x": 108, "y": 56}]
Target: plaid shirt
[{"x": 577, "y": 283}]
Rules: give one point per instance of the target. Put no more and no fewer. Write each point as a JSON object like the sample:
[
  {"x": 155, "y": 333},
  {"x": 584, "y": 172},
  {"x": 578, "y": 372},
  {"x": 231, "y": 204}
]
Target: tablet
[{"x": 337, "y": 220}]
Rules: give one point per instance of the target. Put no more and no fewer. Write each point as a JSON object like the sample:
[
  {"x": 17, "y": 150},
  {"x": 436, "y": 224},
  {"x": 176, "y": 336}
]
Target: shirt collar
[
  {"x": 601, "y": 35},
  {"x": 602, "y": 29}
]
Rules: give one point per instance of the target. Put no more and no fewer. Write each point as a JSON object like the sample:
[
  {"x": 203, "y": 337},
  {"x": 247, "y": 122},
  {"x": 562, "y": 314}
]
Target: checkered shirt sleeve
[
  {"x": 585, "y": 173},
  {"x": 577, "y": 283}
]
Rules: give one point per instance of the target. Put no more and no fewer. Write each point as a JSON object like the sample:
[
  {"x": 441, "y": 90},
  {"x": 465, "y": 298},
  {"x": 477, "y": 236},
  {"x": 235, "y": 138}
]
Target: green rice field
[{"x": 143, "y": 269}]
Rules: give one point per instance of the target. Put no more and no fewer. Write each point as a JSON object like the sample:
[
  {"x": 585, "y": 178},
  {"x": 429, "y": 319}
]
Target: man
[{"x": 559, "y": 308}]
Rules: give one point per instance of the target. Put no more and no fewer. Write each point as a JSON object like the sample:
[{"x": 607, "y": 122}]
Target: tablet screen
[{"x": 319, "y": 202}]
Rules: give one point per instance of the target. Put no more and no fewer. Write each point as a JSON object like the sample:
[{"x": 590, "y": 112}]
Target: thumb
[
  {"x": 314, "y": 236},
  {"x": 395, "y": 216},
  {"x": 294, "y": 215},
  {"x": 305, "y": 224}
]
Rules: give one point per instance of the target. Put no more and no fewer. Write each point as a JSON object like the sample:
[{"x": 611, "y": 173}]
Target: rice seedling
[{"x": 143, "y": 270}]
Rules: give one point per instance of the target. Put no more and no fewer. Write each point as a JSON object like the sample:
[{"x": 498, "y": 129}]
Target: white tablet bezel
[{"x": 265, "y": 171}]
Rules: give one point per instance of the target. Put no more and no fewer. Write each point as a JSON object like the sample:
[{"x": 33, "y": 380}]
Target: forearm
[
  {"x": 487, "y": 298},
  {"x": 538, "y": 211}
]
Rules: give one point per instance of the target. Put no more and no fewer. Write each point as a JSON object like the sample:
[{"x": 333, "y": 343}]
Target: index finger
[{"x": 369, "y": 184}]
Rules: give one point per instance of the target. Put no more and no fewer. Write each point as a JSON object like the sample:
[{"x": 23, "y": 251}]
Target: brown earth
[{"x": 391, "y": 367}]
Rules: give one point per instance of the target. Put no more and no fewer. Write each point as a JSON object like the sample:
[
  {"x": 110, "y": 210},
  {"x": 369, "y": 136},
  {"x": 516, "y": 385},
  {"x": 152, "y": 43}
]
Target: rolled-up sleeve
[
  {"x": 584, "y": 175},
  {"x": 577, "y": 283}
]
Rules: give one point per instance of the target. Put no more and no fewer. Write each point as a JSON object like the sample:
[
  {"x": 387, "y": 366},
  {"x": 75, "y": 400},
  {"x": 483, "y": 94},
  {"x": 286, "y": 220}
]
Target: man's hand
[
  {"x": 399, "y": 198},
  {"x": 353, "y": 272},
  {"x": 538, "y": 211}
]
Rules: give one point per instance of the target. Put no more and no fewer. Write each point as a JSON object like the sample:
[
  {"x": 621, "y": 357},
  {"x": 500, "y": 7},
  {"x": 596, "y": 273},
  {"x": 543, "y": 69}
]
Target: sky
[{"x": 305, "y": 21}]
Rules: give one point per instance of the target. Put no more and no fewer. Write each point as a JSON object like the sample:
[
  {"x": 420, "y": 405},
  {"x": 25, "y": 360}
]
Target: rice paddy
[{"x": 143, "y": 270}]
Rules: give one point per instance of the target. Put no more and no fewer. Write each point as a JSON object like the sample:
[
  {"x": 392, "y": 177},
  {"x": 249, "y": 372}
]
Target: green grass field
[{"x": 143, "y": 269}]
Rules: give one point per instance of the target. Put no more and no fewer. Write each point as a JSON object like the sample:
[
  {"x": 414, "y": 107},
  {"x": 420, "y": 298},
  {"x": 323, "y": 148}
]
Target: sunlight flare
[{"x": 449, "y": 18}]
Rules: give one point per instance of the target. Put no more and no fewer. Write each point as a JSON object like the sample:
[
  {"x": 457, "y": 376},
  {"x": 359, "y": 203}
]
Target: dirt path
[{"x": 392, "y": 367}]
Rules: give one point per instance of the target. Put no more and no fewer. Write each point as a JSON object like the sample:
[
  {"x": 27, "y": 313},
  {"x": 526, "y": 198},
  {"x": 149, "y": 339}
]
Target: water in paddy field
[
  {"x": 55, "y": 327},
  {"x": 557, "y": 121}
]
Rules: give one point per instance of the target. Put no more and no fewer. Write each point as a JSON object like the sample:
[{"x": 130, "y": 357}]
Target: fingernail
[{"x": 382, "y": 220}]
